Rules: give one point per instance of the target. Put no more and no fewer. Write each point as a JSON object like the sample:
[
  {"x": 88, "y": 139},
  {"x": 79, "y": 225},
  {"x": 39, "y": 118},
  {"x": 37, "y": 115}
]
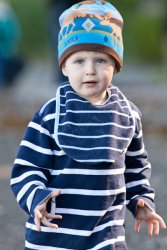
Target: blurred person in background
[
  {"x": 56, "y": 7},
  {"x": 10, "y": 37}
]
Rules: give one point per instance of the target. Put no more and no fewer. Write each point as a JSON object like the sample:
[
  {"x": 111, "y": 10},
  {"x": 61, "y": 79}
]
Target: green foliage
[
  {"x": 32, "y": 15},
  {"x": 143, "y": 38},
  {"x": 125, "y": 6}
]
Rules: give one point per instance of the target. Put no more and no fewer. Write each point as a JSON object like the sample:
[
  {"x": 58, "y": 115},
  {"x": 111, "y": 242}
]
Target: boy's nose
[{"x": 90, "y": 68}]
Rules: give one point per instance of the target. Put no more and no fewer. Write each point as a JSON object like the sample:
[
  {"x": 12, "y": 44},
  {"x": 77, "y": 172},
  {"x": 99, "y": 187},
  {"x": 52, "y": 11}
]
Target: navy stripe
[{"x": 89, "y": 202}]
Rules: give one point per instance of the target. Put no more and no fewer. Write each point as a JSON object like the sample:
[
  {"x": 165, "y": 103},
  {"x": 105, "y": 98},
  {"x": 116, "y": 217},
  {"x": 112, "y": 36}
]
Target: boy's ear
[{"x": 64, "y": 69}]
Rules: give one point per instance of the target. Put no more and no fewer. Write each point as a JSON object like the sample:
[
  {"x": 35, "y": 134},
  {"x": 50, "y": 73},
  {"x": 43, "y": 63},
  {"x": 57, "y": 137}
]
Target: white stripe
[
  {"x": 36, "y": 148},
  {"x": 137, "y": 136},
  {"x": 39, "y": 128},
  {"x": 30, "y": 198},
  {"x": 23, "y": 162},
  {"x": 88, "y": 171},
  {"x": 84, "y": 101},
  {"x": 26, "y": 163},
  {"x": 56, "y": 123},
  {"x": 39, "y": 247},
  {"x": 96, "y": 137},
  {"x": 94, "y": 148},
  {"x": 136, "y": 114},
  {"x": 26, "y": 187},
  {"x": 27, "y": 174},
  {"x": 42, "y": 150},
  {"x": 80, "y": 212},
  {"x": 78, "y": 232},
  {"x": 137, "y": 170},
  {"x": 120, "y": 100},
  {"x": 150, "y": 196},
  {"x": 108, "y": 242},
  {"x": 135, "y": 153},
  {"x": 60, "y": 230},
  {"x": 67, "y": 92},
  {"x": 89, "y": 192},
  {"x": 66, "y": 85},
  {"x": 137, "y": 183},
  {"x": 130, "y": 109},
  {"x": 94, "y": 112},
  {"x": 73, "y": 100},
  {"x": 49, "y": 117},
  {"x": 96, "y": 160},
  {"x": 108, "y": 224},
  {"x": 87, "y": 212},
  {"x": 95, "y": 124},
  {"x": 59, "y": 153},
  {"x": 118, "y": 207}
]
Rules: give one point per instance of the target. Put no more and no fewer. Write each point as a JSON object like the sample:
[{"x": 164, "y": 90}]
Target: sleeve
[
  {"x": 32, "y": 166},
  {"x": 138, "y": 171}
]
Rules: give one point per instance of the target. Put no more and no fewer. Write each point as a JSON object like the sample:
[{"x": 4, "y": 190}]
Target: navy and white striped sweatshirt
[{"x": 95, "y": 155}]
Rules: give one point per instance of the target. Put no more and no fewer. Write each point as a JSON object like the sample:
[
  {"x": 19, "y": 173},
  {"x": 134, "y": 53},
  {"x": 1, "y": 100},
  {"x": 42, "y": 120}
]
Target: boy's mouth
[{"x": 90, "y": 82}]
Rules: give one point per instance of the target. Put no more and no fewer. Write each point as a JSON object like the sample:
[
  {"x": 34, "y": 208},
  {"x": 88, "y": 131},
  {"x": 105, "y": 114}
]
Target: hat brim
[{"x": 91, "y": 47}]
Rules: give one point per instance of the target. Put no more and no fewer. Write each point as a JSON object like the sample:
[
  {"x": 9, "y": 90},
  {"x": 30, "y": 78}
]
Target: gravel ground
[{"x": 33, "y": 87}]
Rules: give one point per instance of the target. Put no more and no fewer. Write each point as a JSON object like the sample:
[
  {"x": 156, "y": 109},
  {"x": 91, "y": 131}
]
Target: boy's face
[{"x": 90, "y": 73}]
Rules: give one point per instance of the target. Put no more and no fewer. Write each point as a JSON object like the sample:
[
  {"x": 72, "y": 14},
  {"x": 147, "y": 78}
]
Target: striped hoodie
[{"x": 95, "y": 155}]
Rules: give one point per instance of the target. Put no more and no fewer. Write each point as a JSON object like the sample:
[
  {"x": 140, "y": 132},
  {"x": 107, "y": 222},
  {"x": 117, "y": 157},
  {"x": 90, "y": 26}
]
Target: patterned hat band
[{"x": 96, "y": 27}]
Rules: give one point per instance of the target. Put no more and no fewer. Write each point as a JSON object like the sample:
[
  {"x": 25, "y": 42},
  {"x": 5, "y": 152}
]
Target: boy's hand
[
  {"x": 152, "y": 219},
  {"x": 41, "y": 214}
]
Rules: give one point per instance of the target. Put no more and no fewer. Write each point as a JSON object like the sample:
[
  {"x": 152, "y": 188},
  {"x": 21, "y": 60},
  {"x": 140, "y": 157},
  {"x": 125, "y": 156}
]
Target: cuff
[
  {"x": 39, "y": 197},
  {"x": 132, "y": 206}
]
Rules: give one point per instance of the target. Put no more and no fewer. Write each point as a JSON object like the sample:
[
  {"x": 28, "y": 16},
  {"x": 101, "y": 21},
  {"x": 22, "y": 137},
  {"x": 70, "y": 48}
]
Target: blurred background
[{"x": 29, "y": 76}]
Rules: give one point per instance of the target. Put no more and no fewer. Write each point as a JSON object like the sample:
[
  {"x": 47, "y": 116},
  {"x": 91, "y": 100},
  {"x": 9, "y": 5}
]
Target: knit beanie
[{"x": 91, "y": 25}]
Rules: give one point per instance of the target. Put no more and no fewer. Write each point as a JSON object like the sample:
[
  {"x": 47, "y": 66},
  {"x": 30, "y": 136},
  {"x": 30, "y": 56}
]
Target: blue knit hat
[{"x": 91, "y": 25}]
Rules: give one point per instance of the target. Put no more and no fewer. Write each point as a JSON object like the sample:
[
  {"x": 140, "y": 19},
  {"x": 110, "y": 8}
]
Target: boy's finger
[
  {"x": 55, "y": 193},
  {"x": 153, "y": 225},
  {"x": 48, "y": 224},
  {"x": 137, "y": 226},
  {"x": 37, "y": 224},
  {"x": 37, "y": 219},
  {"x": 161, "y": 223},
  {"x": 38, "y": 214},
  {"x": 54, "y": 216},
  {"x": 160, "y": 220},
  {"x": 156, "y": 227},
  {"x": 140, "y": 203},
  {"x": 150, "y": 229}
]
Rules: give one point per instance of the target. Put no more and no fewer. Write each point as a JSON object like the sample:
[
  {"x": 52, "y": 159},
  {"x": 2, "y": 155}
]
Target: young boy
[{"x": 82, "y": 159}]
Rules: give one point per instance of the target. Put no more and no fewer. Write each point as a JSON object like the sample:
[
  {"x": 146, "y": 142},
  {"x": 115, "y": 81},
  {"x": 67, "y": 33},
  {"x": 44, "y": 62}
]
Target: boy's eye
[
  {"x": 100, "y": 60},
  {"x": 79, "y": 61}
]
